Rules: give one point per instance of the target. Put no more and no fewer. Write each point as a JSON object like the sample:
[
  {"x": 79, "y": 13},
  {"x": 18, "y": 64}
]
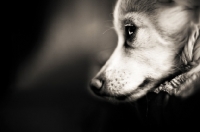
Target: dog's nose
[{"x": 96, "y": 85}]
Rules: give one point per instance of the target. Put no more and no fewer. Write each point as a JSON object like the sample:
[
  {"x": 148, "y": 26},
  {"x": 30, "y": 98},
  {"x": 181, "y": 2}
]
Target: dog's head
[{"x": 153, "y": 45}]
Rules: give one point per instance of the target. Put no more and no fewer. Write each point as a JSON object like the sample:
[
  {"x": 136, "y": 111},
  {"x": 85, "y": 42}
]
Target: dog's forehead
[{"x": 126, "y": 6}]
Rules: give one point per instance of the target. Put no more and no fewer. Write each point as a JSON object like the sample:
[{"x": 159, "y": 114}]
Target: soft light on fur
[{"x": 163, "y": 43}]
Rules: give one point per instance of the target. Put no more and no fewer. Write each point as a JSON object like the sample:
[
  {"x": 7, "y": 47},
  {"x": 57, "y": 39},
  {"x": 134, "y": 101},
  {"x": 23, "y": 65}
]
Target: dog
[{"x": 158, "y": 50}]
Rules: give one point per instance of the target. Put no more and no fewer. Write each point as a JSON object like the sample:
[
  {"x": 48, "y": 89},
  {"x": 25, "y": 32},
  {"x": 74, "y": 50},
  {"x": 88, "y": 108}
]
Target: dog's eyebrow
[{"x": 129, "y": 19}]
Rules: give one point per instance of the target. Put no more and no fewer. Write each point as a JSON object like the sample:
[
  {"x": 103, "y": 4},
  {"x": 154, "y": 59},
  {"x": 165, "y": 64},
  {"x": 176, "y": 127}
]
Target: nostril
[{"x": 96, "y": 85}]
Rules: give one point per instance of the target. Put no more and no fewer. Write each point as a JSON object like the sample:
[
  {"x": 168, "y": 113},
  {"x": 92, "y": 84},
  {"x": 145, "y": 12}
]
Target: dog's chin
[
  {"x": 118, "y": 99},
  {"x": 126, "y": 97},
  {"x": 115, "y": 98}
]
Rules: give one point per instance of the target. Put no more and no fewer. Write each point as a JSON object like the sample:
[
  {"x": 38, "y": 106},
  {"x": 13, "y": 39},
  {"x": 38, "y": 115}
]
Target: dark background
[
  {"x": 54, "y": 49},
  {"x": 51, "y": 58}
]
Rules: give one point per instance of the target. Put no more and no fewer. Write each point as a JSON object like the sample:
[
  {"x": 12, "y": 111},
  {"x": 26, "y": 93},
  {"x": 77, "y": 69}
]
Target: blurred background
[{"x": 55, "y": 48}]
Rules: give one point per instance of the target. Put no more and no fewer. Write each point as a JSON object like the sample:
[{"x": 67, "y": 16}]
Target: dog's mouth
[
  {"x": 118, "y": 97},
  {"x": 172, "y": 85},
  {"x": 169, "y": 85}
]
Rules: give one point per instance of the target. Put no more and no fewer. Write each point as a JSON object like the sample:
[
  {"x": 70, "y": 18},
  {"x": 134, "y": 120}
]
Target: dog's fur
[{"x": 157, "y": 40}]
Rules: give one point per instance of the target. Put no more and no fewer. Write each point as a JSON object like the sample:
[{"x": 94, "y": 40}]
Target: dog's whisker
[
  {"x": 179, "y": 68},
  {"x": 108, "y": 30}
]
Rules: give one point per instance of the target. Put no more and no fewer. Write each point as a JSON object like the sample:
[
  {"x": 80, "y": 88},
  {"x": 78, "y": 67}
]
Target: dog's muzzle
[{"x": 97, "y": 86}]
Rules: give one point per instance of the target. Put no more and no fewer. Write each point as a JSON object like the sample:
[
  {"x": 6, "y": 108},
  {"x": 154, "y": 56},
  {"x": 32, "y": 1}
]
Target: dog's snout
[{"x": 96, "y": 85}]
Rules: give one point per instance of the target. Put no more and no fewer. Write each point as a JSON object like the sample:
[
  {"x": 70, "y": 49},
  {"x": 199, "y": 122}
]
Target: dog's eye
[
  {"x": 130, "y": 30},
  {"x": 129, "y": 33}
]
